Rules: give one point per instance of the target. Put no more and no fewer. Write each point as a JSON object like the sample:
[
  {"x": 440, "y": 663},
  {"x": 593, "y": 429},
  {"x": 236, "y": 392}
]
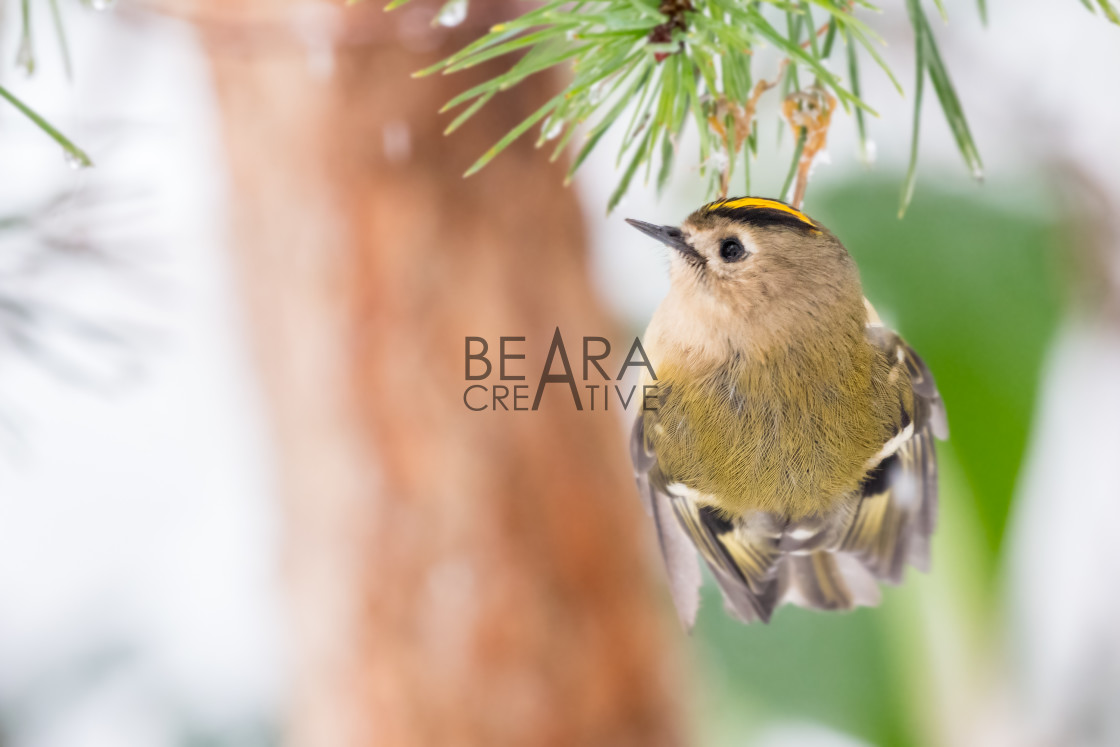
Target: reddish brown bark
[{"x": 457, "y": 577}]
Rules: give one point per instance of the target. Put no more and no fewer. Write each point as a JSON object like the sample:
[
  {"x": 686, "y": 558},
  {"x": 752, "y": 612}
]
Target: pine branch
[
  {"x": 26, "y": 61},
  {"x": 692, "y": 61}
]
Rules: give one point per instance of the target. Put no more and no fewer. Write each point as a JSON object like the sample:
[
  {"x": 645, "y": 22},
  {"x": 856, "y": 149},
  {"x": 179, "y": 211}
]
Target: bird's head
[{"x": 759, "y": 262}]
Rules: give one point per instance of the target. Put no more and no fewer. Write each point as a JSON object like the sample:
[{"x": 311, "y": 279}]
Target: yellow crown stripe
[{"x": 760, "y": 202}]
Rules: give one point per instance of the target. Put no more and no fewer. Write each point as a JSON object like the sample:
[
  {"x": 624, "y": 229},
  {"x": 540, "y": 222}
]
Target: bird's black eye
[{"x": 730, "y": 250}]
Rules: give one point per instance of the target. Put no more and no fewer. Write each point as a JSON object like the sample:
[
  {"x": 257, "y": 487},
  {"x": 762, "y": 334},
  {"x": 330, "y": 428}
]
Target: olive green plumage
[
  {"x": 791, "y": 445},
  {"x": 738, "y": 431}
]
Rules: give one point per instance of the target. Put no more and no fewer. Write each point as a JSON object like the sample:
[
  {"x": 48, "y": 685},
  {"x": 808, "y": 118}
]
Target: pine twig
[
  {"x": 675, "y": 61},
  {"x": 810, "y": 112}
]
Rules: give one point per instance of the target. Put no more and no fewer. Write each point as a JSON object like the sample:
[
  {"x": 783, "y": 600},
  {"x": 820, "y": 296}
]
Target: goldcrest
[{"x": 792, "y": 443}]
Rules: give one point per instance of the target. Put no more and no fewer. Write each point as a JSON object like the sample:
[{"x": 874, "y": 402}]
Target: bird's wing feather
[
  {"x": 925, "y": 390},
  {"x": 929, "y": 407},
  {"x": 744, "y": 565},
  {"x": 897, "y": 510},
  {"x": 676, "y": 548},
  {"x": 826, "y": 580}
]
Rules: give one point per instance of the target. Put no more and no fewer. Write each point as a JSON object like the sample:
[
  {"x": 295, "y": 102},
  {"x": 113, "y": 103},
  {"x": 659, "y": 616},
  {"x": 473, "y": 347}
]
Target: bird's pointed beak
[{"x": 670, "y": 236}]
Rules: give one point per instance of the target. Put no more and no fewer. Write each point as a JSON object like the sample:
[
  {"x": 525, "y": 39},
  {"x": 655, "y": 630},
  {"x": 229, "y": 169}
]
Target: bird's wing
[
  {"x": 760, "y": 562},
  {"x": 897, "y": 508},
  {"x": 676, "y": 547},
  {"x": 928, "y": 406},
  {"x": 742, "y": 557}
]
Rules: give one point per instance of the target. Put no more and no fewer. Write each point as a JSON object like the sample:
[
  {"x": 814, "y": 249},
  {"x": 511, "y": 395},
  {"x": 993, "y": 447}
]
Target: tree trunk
[{"x": 457, "y": 577}]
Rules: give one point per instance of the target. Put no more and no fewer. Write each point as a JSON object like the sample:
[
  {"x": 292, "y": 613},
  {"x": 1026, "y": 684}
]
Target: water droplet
[
  {"x": 598, "y": 90},
  {"x": 25, "y": 57},
  {"x": 821, "y": 159},
  {"x": 452, "y": 13},
  {"x": 76, "y": 160},
  {"x": 719, "y": 159},
  {"x": 396, "y": 141},
  {"x": 316, "y": 25},
  {"x": 102, "y": 4},
  {"x": 870, "y": 152},
  {"x": 552, "y": 128}
]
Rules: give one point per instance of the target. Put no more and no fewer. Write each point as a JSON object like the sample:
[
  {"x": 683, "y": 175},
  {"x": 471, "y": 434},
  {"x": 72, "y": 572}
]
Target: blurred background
[{"x": 241, "y": 502}]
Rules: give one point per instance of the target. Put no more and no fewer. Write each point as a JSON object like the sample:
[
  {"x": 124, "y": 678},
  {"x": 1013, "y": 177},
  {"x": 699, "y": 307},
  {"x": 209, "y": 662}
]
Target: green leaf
[
  {"x": 859, "y": 34},
  {"x": 747, "y": 169},
  {"x": 641, "y": 80},
  {"x": 696, "y": 108},
  {"x": 612, "y": 59},
  {"x": 498, "y": 34},
  {"x": 947, "y": 95},
  {"x": 624, "y": 184},
  {"x": 604, "y": 45},
  {"x": 853, "y": 76},
  {"x": 528, "y": 40},
  {"x": 25, "y": 57},
  {"x": 513, "y": 134},
  {"x": 585, "y": 151},
  {"x": 646, "y": 11},
  {"x": 63, "y": 46},
  {"x": 793, "y": 32},
  {"x": 640, "y": 116},
  {"x": 563, "y": 140},
  {"x": 670, "y": 82},
  {"x": 797, "y": 151},
  {"x": 795, "y": 52},
  {"x": 74, "y": 155},
  {"x": 914, "y": 9},
  {"x": 1109, "y": 12},
  {"x": 587, "y": 108},
  {"x": 469, "y": 112},
  {"x": 666, "y": 119},
  {"x": 736, "y": 76},
  {"x": 829, "y": 40},
  {"x": 529, "y": 65},
  {"x": 814, "y": 42},
  {"x": 667, "y": 153}
]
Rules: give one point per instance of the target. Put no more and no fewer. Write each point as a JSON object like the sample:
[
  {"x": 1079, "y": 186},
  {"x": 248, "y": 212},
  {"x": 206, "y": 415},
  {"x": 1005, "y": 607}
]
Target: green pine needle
[
  {"x": 913, "y": 8},
  {"x": 1109, "y": 11},
  {"x": 63, "y": 45},
  {"x": 853, "y": 76},
  {"x": 25, "y": 58},
  {"x": 75, "y": 155},
  {"x": 798, "y": 149},
  {"x": 687, "y": 70}
]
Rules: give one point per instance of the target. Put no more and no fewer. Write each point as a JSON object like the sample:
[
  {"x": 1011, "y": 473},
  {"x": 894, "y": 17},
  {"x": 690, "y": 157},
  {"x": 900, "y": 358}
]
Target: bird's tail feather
[{"x": 827, "y": 581}]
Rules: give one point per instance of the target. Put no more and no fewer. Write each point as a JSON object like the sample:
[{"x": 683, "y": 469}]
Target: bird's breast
[{"x": 789, "y": 435}]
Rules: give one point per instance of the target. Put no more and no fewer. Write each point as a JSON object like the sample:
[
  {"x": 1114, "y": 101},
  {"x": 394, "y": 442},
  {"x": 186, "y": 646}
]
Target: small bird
[{"x": 792, "y": 440}]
